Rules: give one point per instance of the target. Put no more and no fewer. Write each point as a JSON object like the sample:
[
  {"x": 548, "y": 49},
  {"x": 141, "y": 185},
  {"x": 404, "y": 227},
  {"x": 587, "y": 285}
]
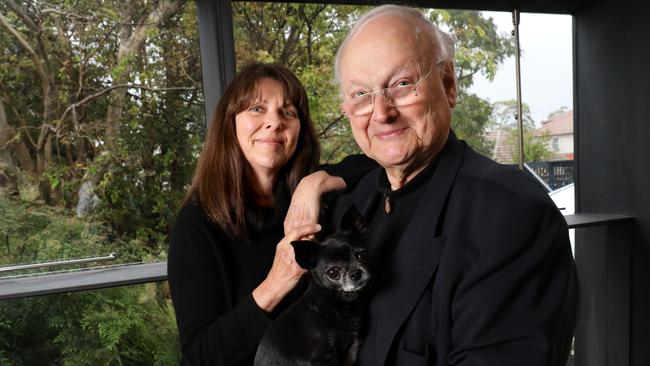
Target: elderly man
[{"x": 471, "y": 259}]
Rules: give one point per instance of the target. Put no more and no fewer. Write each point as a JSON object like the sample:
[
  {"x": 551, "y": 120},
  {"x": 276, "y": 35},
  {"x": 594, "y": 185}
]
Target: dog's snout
[{"x": 356, "y": 275}]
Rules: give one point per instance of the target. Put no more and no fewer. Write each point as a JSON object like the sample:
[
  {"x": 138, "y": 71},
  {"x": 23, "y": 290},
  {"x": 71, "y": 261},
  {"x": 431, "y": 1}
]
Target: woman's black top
[{"x": 212, "y": 275}]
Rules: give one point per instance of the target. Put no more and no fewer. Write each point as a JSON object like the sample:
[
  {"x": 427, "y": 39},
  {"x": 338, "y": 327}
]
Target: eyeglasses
[{"x": 362, "y": 104}]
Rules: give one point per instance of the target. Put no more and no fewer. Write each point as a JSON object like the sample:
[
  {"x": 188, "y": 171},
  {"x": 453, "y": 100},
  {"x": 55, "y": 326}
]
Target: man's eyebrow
[{"x": 409, "y": 66}]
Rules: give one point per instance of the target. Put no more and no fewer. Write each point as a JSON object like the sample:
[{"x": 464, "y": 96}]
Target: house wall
[
  {"x": 612, "y": 89},
  {"x": 565, "y": 144}
]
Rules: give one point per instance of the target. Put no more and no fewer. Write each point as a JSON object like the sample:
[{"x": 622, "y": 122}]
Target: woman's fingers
[{"x": 304, "y": 230}]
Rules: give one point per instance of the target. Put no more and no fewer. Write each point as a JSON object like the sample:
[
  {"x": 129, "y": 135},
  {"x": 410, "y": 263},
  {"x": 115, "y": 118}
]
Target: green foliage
[
  {"x": 36, "y": 233},
  {"x": 131, "y": 325},
  {"x": 535, "y": 147},
  {"x": 107, "y": 327},
  {"x": 470, "y": 120},
  {"x": 504, "y": 116},
  {"x": 479, "y": 48},
  {"x": 140, "y": 184}
]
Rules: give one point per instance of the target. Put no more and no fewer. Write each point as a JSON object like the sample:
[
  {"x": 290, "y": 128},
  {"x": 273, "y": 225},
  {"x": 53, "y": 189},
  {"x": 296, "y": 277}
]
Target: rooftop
[{"x": 561, "y": 124}]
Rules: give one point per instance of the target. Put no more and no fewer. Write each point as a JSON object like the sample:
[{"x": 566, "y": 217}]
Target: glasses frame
[{"x": 386, "y": 92}]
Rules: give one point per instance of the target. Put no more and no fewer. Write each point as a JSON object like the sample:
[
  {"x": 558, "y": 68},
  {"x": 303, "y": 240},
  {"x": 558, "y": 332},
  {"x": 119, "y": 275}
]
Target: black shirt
[
  {"x": 212, "y": 276},
  {"x": 391, "y": 217}
]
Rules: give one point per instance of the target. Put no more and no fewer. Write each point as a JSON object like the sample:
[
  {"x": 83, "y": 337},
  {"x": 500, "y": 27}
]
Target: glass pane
[
  {"x": 100, "y": 126},
  {"x": 547, "y": 95},
  {"x": 305, "y": 38},
  {"x": 127, "y": 325}
]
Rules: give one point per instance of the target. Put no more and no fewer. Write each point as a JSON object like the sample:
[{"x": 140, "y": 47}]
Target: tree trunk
[
  {"x": 8, "y": 143},
  {"x": 5, "y": 137},
  {"x": 48, "y": 150},
  {"x": 130, "y": 43}
]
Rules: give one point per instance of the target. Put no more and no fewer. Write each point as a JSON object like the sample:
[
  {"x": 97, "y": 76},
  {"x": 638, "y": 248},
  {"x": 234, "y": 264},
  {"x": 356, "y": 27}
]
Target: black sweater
[{"x": 212, "y": 276}]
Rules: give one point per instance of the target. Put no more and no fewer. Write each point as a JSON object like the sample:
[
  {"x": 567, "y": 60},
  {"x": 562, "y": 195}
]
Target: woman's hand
[
  {"x": 305, "y": 201},
  {"x": 285, "y": 272}
]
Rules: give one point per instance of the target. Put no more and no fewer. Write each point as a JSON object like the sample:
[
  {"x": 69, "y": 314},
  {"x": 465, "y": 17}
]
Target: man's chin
[{"x": 392, "y": 161}]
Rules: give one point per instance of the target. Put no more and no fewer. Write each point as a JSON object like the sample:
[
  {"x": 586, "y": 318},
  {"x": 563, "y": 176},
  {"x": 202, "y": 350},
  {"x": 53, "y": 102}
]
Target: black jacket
[{"x": 483, "y": 274}]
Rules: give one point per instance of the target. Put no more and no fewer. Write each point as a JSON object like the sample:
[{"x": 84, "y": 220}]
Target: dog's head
[{"x": 340, "y": 262}]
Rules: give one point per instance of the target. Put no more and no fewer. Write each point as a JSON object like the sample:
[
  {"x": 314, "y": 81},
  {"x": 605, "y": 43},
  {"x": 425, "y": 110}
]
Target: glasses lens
[
  {"x": 395, "y": 96},
  {"x": 359, "y": 106},
  {"x": 400, "y": 95}
]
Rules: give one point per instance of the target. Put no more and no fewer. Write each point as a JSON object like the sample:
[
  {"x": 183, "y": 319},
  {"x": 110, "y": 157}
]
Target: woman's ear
[{"x": 306, "y": 253}]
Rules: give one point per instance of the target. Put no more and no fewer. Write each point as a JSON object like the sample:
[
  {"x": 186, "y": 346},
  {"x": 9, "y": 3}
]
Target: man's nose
[{"x": 383, "y": 110}]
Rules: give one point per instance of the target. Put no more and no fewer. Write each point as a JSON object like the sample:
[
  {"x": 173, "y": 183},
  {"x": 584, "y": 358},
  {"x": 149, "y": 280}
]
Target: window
[{"x": 102, "y": 165}]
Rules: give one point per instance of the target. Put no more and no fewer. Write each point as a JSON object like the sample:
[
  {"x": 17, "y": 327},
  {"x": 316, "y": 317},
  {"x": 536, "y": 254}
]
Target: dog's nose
[{"x": 356, "y": 275}]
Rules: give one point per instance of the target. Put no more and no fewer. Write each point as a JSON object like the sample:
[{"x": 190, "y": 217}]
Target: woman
[{"x": 230, "y": 269}]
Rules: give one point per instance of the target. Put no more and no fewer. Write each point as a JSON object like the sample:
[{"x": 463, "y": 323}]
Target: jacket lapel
[{"x": 417, "y": 254}]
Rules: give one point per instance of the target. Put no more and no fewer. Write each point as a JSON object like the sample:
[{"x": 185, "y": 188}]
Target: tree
[
  {"x": 140, "y": 180},
  {"x": 470, "y": 120},
  {"x": 557, "y": 112},
  {"x": 504, "y": 116},
  {"x": 71, "y": 52},
  {"x": 131, "y": 40}
]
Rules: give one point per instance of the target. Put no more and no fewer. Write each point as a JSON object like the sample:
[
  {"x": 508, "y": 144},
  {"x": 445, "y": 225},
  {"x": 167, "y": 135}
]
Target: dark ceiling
[{"x": 531, "y": 6}]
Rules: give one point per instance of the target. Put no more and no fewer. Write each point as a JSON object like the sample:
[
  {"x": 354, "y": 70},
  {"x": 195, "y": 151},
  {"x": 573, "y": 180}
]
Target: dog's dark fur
[{"x": 323, "y": 326}]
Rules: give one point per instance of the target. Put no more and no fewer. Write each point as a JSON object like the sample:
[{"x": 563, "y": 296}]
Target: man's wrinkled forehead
[
  {"x": 384, "y": 32},
  {"x": 384, "y": 37}
]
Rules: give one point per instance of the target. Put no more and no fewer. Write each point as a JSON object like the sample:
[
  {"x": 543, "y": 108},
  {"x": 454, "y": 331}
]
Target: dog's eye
[
  {"x": 333, "y": 272},
  {"x": 361, "y": 256}
]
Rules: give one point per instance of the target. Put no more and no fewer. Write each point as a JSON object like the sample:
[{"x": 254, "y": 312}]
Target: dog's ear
[
  {"x": 306, "y": 253},
  {"x": 353, "y": 221}
]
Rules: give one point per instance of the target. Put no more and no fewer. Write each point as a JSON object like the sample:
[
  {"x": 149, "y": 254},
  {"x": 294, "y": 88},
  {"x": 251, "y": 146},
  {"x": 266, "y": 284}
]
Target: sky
[{"x": 546, "y": 64}]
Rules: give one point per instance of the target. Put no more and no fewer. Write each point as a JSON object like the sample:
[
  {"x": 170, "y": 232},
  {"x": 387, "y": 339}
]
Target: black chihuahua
[{"x": 323, "y": 326}]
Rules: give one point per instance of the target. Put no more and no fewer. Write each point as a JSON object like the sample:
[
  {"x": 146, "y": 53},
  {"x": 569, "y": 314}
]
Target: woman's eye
[
  {"x": 256, "y": 109},
  {"x": 290, "y": 114}
]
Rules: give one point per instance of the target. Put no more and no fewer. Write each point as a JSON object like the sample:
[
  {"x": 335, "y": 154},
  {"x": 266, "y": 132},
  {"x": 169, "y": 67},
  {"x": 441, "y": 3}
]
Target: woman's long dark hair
[{"x": 222, "y": 178}]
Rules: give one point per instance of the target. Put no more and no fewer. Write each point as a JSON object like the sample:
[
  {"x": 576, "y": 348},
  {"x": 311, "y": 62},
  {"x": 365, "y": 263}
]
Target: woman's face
[{"x": 268, "y": 129}]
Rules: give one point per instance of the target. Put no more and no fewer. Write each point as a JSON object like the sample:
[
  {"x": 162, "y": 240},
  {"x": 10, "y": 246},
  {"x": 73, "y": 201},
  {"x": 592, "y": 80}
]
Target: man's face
[{"x": 385, "y": 53}]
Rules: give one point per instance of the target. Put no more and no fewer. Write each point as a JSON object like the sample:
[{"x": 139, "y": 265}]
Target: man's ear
[
  {"x": 353, "y": 221},
  {"x": 449, "y": 83},
  {"x": 306, "y": 253}
]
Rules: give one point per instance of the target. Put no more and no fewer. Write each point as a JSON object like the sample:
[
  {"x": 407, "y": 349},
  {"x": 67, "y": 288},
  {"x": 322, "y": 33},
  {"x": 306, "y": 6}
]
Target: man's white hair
[{"x": 442, "y": 44}]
